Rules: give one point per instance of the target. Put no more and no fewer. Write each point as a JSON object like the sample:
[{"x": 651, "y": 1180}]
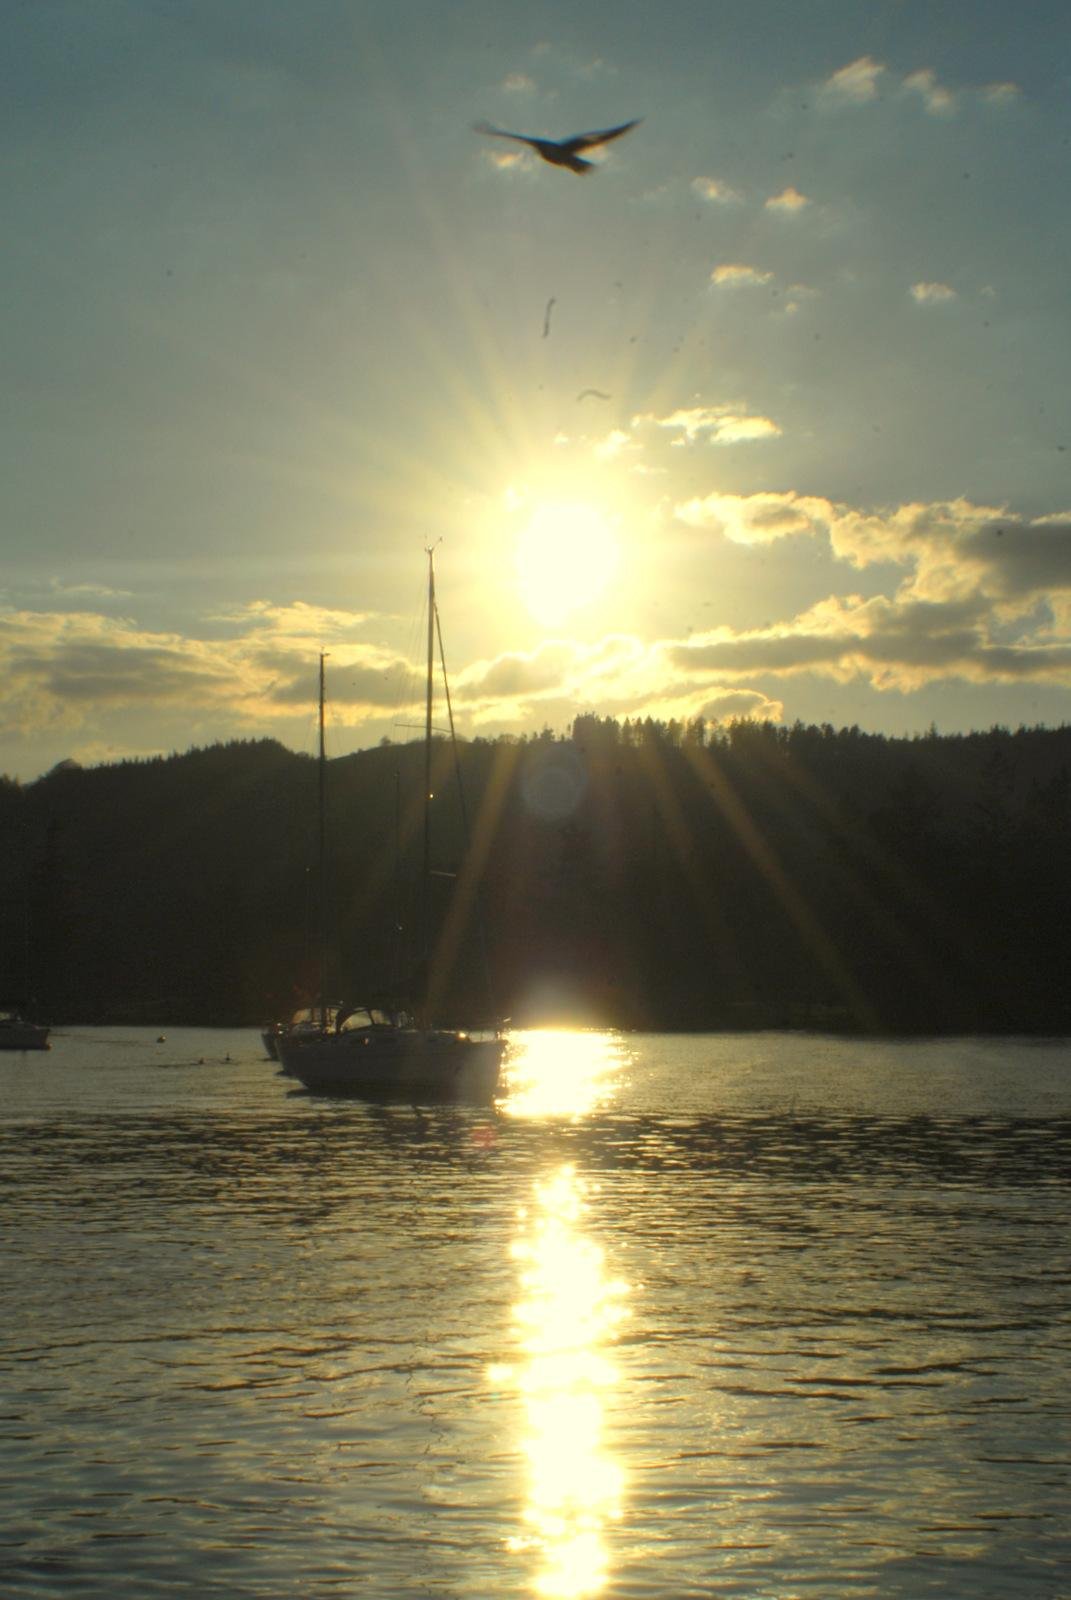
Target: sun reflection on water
[
  {"x": 566, "y": 1319},
  {"x": 556, "y": 1072}
]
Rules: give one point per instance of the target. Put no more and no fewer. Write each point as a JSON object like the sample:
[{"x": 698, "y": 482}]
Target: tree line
[{"x": 637, "y": 873}]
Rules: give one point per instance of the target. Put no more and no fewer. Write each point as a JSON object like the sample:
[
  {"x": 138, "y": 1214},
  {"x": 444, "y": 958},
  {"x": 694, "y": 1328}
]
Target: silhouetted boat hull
[
  {"x": 18, "y": 1034},
  {"x": 390, "y": 1062}
]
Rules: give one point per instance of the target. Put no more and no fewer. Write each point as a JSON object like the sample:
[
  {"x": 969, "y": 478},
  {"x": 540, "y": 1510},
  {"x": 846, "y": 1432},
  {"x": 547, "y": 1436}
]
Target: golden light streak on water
[
  {"x": 566, "y": 1319},
  {"x": 562, "y": 1072}
]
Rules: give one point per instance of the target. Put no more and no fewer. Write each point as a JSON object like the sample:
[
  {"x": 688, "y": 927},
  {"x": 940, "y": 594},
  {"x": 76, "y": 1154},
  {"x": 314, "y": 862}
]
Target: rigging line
[{"x": 481, "y": 923}]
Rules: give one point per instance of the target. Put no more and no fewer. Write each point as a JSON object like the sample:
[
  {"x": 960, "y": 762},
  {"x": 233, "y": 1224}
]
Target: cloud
[
  {"x": 518, "y": 674},
  {"x": 757, "y": 518},
  {"x": 726, "y": 705},
  {"x": 954, "y": 547},
  {"x": 857, "y": 82},
  {"x": 616, "y": 442},
  {"x": 788, "y": 202},
  {"x": 505, "y": 160},
  {"x": 744, "y": 430},
  {"x": 619, "y": 675},
  {"x": 860, "y": 81},
  {"x": 718, "y": 424},
  {"x": 735, "y": 275},
  {"x": 716, "y": 191},
  {"x": 302, "y": 624},
  {"x": 938, "y": 101},
  {"x": 932, "y": 294},
  {"x": 86, "y": 591},
  {"x": 892, "y": 642},
  {"x": 982, "y": 595},
  {"x": 1001, "y": 94},
  {"x": 518, "y": 83},
  {"x": 68, "y": 670},
  {"x": 958, "y": 590},
  {"x": 58, "y": 668}
]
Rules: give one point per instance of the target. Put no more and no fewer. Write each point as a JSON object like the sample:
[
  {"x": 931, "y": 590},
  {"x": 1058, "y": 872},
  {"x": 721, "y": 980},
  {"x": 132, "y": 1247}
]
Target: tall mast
[
  {"x": 321, "y": 865},
  {"x": 425, "y": 890}
]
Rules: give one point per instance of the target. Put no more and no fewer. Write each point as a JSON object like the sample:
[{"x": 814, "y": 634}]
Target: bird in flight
[{"x": 562, "y": 152}]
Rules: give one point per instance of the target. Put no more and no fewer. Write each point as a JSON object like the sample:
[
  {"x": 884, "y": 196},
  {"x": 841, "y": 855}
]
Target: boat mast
[
  {"x": 321, "y": 865},
  {"x": 425, "y": 887}
]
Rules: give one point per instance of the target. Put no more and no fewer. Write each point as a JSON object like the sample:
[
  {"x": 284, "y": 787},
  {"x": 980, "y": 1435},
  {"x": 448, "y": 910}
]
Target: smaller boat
[{"x": 18, "y": 1034}]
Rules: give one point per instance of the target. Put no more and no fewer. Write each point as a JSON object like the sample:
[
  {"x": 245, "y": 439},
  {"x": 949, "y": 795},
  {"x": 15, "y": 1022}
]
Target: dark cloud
[
  {"x": 1025, "y": 558},
  {"x": 383, "y": 687},
  {"x": 513, "y": 675},
  {"x": 121, "y": 673}
]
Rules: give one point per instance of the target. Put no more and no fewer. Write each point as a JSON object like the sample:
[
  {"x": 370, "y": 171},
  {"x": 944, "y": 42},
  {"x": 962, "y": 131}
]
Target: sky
[{"x": 767, "y": 415}]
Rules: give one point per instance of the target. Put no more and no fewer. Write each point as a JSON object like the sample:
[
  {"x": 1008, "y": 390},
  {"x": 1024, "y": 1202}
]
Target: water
[{"x": 765, "y": 1316}]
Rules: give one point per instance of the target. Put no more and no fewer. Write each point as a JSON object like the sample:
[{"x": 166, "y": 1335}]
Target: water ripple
[{"x": 254, "y": 1332}]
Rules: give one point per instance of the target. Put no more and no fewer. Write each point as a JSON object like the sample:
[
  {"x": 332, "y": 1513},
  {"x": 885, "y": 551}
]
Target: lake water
[{"x": 764, "y": 1316}]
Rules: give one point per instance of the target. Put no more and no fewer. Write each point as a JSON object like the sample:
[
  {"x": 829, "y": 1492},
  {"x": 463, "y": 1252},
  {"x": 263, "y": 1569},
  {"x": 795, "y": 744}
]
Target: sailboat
[{"x": 378, "y": 1052}]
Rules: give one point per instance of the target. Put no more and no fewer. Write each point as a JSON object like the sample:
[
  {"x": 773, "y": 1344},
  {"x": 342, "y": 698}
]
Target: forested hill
[{"x": 642, "y": 874}]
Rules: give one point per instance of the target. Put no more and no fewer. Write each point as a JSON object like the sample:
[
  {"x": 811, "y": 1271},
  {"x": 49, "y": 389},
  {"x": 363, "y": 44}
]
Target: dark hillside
[{"x": 645, "y": 874}]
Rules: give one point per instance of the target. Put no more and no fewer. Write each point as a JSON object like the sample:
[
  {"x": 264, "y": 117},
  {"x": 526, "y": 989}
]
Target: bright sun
[{"x": 566, "y": 557}]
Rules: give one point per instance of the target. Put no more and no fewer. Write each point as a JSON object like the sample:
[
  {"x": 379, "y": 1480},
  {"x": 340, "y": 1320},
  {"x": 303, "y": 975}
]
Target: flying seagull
[{"x": 561, "y": 152}]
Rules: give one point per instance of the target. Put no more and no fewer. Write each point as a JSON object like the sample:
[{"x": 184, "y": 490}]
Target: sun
[{"x": 566, "y": 556}]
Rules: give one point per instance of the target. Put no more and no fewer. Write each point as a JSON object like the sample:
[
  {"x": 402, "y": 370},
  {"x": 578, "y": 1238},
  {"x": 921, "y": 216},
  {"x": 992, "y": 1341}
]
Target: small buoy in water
[{"x": 160, "y": 1039}]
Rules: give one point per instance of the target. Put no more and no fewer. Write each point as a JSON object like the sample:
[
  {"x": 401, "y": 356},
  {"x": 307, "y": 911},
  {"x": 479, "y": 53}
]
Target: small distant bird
[
  {"x": 600, "y": 394},
  {"x": 561, "y": 152}
]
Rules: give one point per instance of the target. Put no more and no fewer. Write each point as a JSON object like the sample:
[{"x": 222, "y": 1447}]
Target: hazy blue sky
[{"x": 274, "y": 318}]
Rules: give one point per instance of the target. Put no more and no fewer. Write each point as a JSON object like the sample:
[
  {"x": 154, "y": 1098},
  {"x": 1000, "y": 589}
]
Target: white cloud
[
  {"x": 789, "y": 201},
  {"x": 744, "y": 430},
  {"x": 932, "y": 294},
  {"x": 615, "y": 443},
  {"x": 1001, "y": 94},
  {"x": 735, "y": 275},
  {"x": 857, "y": 82},
  {"x": 955, "y": 551},
  {"x": 518, "y": 83},
  {"x": 861, "y": 81},
  {"x": 716, "y": 190},
  {"x": 757, "y": 518},
  {"x": 717, "y": 424},
  {"x": 937, "y": 100}
]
